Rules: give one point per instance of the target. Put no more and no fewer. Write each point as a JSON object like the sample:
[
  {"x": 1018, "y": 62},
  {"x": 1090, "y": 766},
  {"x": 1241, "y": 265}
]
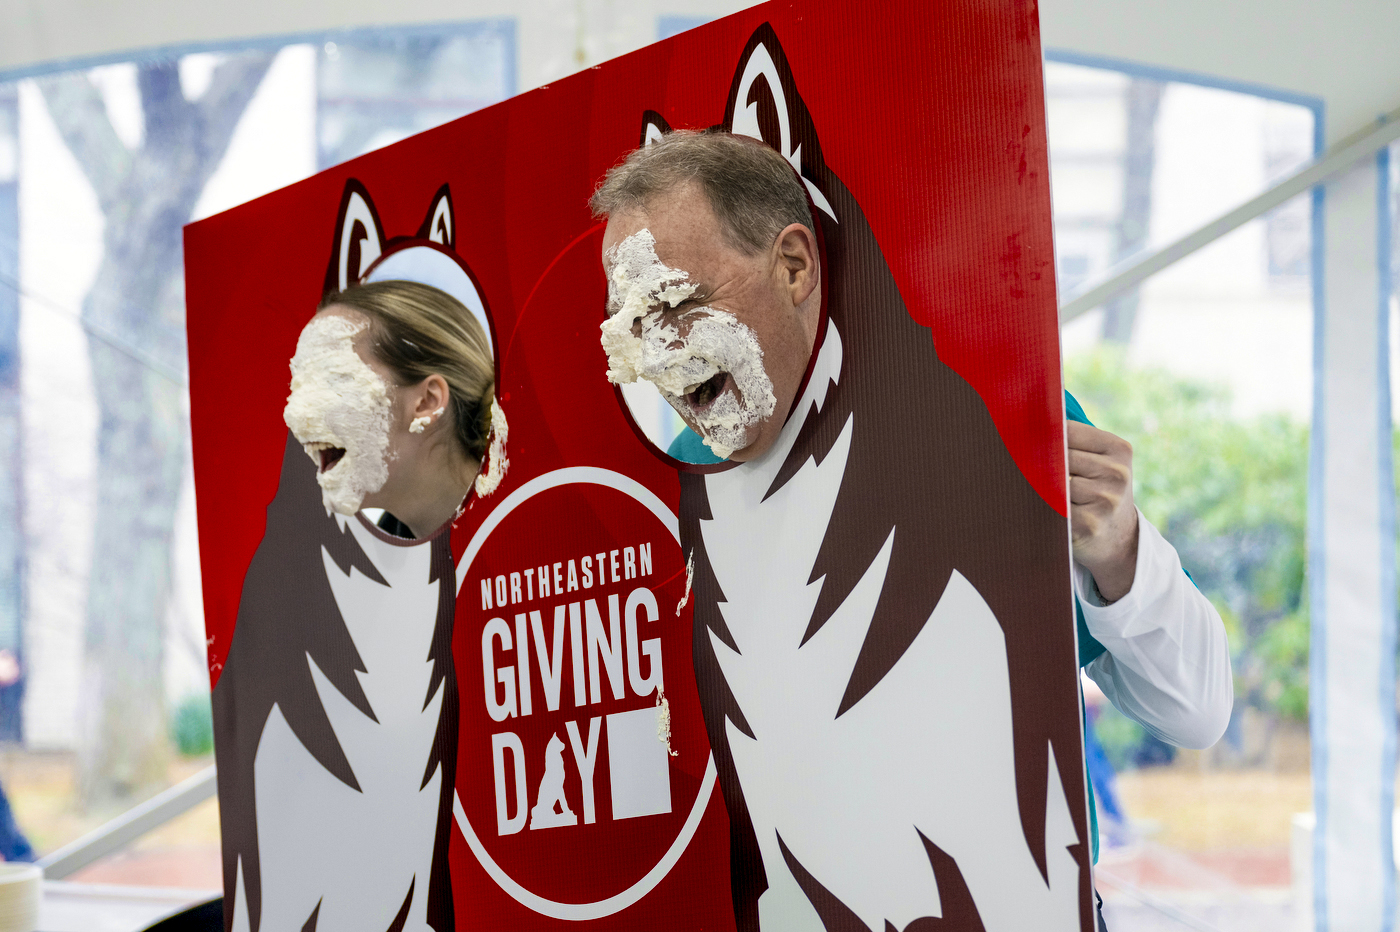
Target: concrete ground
[
  {"x": 1208, "y": 850},
  {"x": 1237, "y": 917},
  {"x": 1151, "y": 888}
]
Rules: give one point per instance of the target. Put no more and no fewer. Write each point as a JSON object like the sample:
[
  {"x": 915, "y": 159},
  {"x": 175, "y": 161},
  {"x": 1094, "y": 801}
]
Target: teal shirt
[
  {"x": 1089, "y": 650},
  {"x": 689, "y": 448}
]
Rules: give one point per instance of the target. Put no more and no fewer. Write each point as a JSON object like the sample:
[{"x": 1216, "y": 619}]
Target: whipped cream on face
[
  {"x": 716, "y": 342},
  {"x": 338, "y": 403}
]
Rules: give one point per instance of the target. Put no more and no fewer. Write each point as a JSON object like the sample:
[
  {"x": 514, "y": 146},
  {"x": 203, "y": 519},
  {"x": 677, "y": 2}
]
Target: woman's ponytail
[{"x": 474, "y": 422}]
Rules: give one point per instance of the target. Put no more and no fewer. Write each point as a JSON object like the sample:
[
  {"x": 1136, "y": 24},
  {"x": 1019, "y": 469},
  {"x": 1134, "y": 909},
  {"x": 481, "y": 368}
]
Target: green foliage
[
  {"x": 1231, "y": 494},
  {"x": 1283, "y": 651},
  {"x": 192, "y": 726},
  {"x": 1119, "y": 736}
]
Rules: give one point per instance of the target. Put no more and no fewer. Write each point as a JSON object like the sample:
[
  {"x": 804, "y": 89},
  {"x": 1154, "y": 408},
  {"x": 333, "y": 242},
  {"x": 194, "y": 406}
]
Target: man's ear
[{"x": 798, "y": 262}]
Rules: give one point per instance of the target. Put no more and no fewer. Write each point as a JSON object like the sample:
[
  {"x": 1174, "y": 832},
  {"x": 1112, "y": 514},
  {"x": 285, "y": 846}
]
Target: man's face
[{"x": 726, "y": 337}]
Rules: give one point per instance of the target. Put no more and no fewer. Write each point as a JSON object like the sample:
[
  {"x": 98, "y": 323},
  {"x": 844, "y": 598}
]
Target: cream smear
[
  {"x": 715, "y": 342},
  {"x": 419, "y": 424},
  {"x": 663, "y": 721},
  {"x": 338, "y": 402},
  {"x": 689, "y": 578},
  {"x": 496, "y": 463}
]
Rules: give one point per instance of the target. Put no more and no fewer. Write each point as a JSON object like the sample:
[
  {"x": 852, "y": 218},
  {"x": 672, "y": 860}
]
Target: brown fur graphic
[
  {"x": 926, "y": 458},
  {"x": 287, "y": 613}
]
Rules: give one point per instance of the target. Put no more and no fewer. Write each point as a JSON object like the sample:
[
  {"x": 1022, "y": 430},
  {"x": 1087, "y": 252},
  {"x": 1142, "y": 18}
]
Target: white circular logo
[{"x": 508, "y": 702}]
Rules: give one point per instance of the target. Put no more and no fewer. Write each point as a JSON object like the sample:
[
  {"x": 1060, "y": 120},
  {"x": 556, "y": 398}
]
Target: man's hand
[{"x": 1103, "y": 520}]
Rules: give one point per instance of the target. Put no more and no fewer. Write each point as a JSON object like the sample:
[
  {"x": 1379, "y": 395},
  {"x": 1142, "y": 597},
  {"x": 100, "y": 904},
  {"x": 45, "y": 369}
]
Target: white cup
[{"x": 20, "y": 889}]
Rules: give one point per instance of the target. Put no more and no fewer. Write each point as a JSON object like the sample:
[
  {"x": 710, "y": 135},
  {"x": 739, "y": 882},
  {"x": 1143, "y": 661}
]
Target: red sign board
[{"x": 542, "y": 790}]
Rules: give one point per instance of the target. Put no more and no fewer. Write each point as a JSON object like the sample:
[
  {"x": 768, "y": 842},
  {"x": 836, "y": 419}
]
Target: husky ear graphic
[
  {"x": 440, "y": 226},
  {"x": 654, "y": 126},
  {"x": 764, "y": 104},
  {"x": 359, "y": 237}
]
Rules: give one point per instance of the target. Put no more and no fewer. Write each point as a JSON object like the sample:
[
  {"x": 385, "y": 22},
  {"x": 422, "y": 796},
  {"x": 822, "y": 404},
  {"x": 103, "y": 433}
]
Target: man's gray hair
[{"x": 753, "y": 190}]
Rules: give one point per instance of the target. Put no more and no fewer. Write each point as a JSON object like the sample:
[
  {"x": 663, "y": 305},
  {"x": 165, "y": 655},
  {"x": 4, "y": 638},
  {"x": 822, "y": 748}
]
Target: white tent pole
[{"x": 1351, "y": 558}]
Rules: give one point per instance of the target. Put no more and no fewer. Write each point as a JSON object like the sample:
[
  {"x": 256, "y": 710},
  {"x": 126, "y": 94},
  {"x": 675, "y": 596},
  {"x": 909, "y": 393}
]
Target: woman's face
[{"x": 342, "y": 408}]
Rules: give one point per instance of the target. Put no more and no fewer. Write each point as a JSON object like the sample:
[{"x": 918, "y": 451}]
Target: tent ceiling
[
  {"x": 1348, "y": 54},
  {"x": 37, "y": 33},
  {"x": 1345, "y": 54}
]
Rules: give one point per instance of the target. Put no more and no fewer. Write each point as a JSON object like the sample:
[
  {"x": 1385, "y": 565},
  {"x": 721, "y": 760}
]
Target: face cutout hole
[
  {"x": 429, "y": 266},
  {"x": 657, "y": 420}
]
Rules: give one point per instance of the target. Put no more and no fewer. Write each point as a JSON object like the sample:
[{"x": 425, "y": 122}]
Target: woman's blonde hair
[{"x": 418, "y": 330}]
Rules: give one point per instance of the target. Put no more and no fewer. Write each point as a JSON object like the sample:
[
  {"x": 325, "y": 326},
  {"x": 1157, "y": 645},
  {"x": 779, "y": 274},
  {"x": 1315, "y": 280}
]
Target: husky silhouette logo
[
  {"x": 883, "y": 682},
  {"x": 336, "y": 711}
]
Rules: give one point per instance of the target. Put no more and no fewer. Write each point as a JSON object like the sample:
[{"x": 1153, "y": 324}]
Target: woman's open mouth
[
  {"x": 708, "y": 390},
  {"x": 325, "y": 455}
]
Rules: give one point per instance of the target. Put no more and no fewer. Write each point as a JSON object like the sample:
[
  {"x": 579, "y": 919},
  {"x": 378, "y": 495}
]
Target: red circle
[{"x": 580, "y": 863}]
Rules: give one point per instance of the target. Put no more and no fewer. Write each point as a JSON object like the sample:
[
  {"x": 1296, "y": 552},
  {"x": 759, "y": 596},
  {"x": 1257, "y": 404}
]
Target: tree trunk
[
  {"x": 140, "y": 446},
  {"x": 134, "y": 316},
  {"x": 1142, "y": 100}
]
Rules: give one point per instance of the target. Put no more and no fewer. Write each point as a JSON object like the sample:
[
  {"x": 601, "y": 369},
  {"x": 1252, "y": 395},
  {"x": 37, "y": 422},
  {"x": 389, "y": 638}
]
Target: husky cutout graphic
[
  {"x": 881, "y": 633},
  {"x": 336, "y": 712}
]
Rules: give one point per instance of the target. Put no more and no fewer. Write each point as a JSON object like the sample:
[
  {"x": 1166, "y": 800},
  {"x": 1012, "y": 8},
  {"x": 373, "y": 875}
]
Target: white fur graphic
[
  {"x": 320, "y": 841},
  {"x": 928, "y": 749}
]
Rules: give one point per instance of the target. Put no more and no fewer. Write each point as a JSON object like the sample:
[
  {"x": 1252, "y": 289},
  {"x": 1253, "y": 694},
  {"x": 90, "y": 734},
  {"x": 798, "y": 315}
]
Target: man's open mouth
[
  {"x": 324, "y": 454},
  {"x": 707, "y": 391}
]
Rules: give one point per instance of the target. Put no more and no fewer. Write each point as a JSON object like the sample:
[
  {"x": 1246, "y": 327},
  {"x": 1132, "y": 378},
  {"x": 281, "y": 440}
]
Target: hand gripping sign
[{"x": 832, "y": 688}]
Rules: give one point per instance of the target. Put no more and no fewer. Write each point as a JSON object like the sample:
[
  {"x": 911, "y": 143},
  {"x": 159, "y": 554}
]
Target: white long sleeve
[{"x": 1167, "y": 664}]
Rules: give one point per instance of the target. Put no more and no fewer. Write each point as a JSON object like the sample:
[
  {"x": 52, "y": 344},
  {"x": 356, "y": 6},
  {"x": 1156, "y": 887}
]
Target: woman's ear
[{"x": 431, "y": 397}]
